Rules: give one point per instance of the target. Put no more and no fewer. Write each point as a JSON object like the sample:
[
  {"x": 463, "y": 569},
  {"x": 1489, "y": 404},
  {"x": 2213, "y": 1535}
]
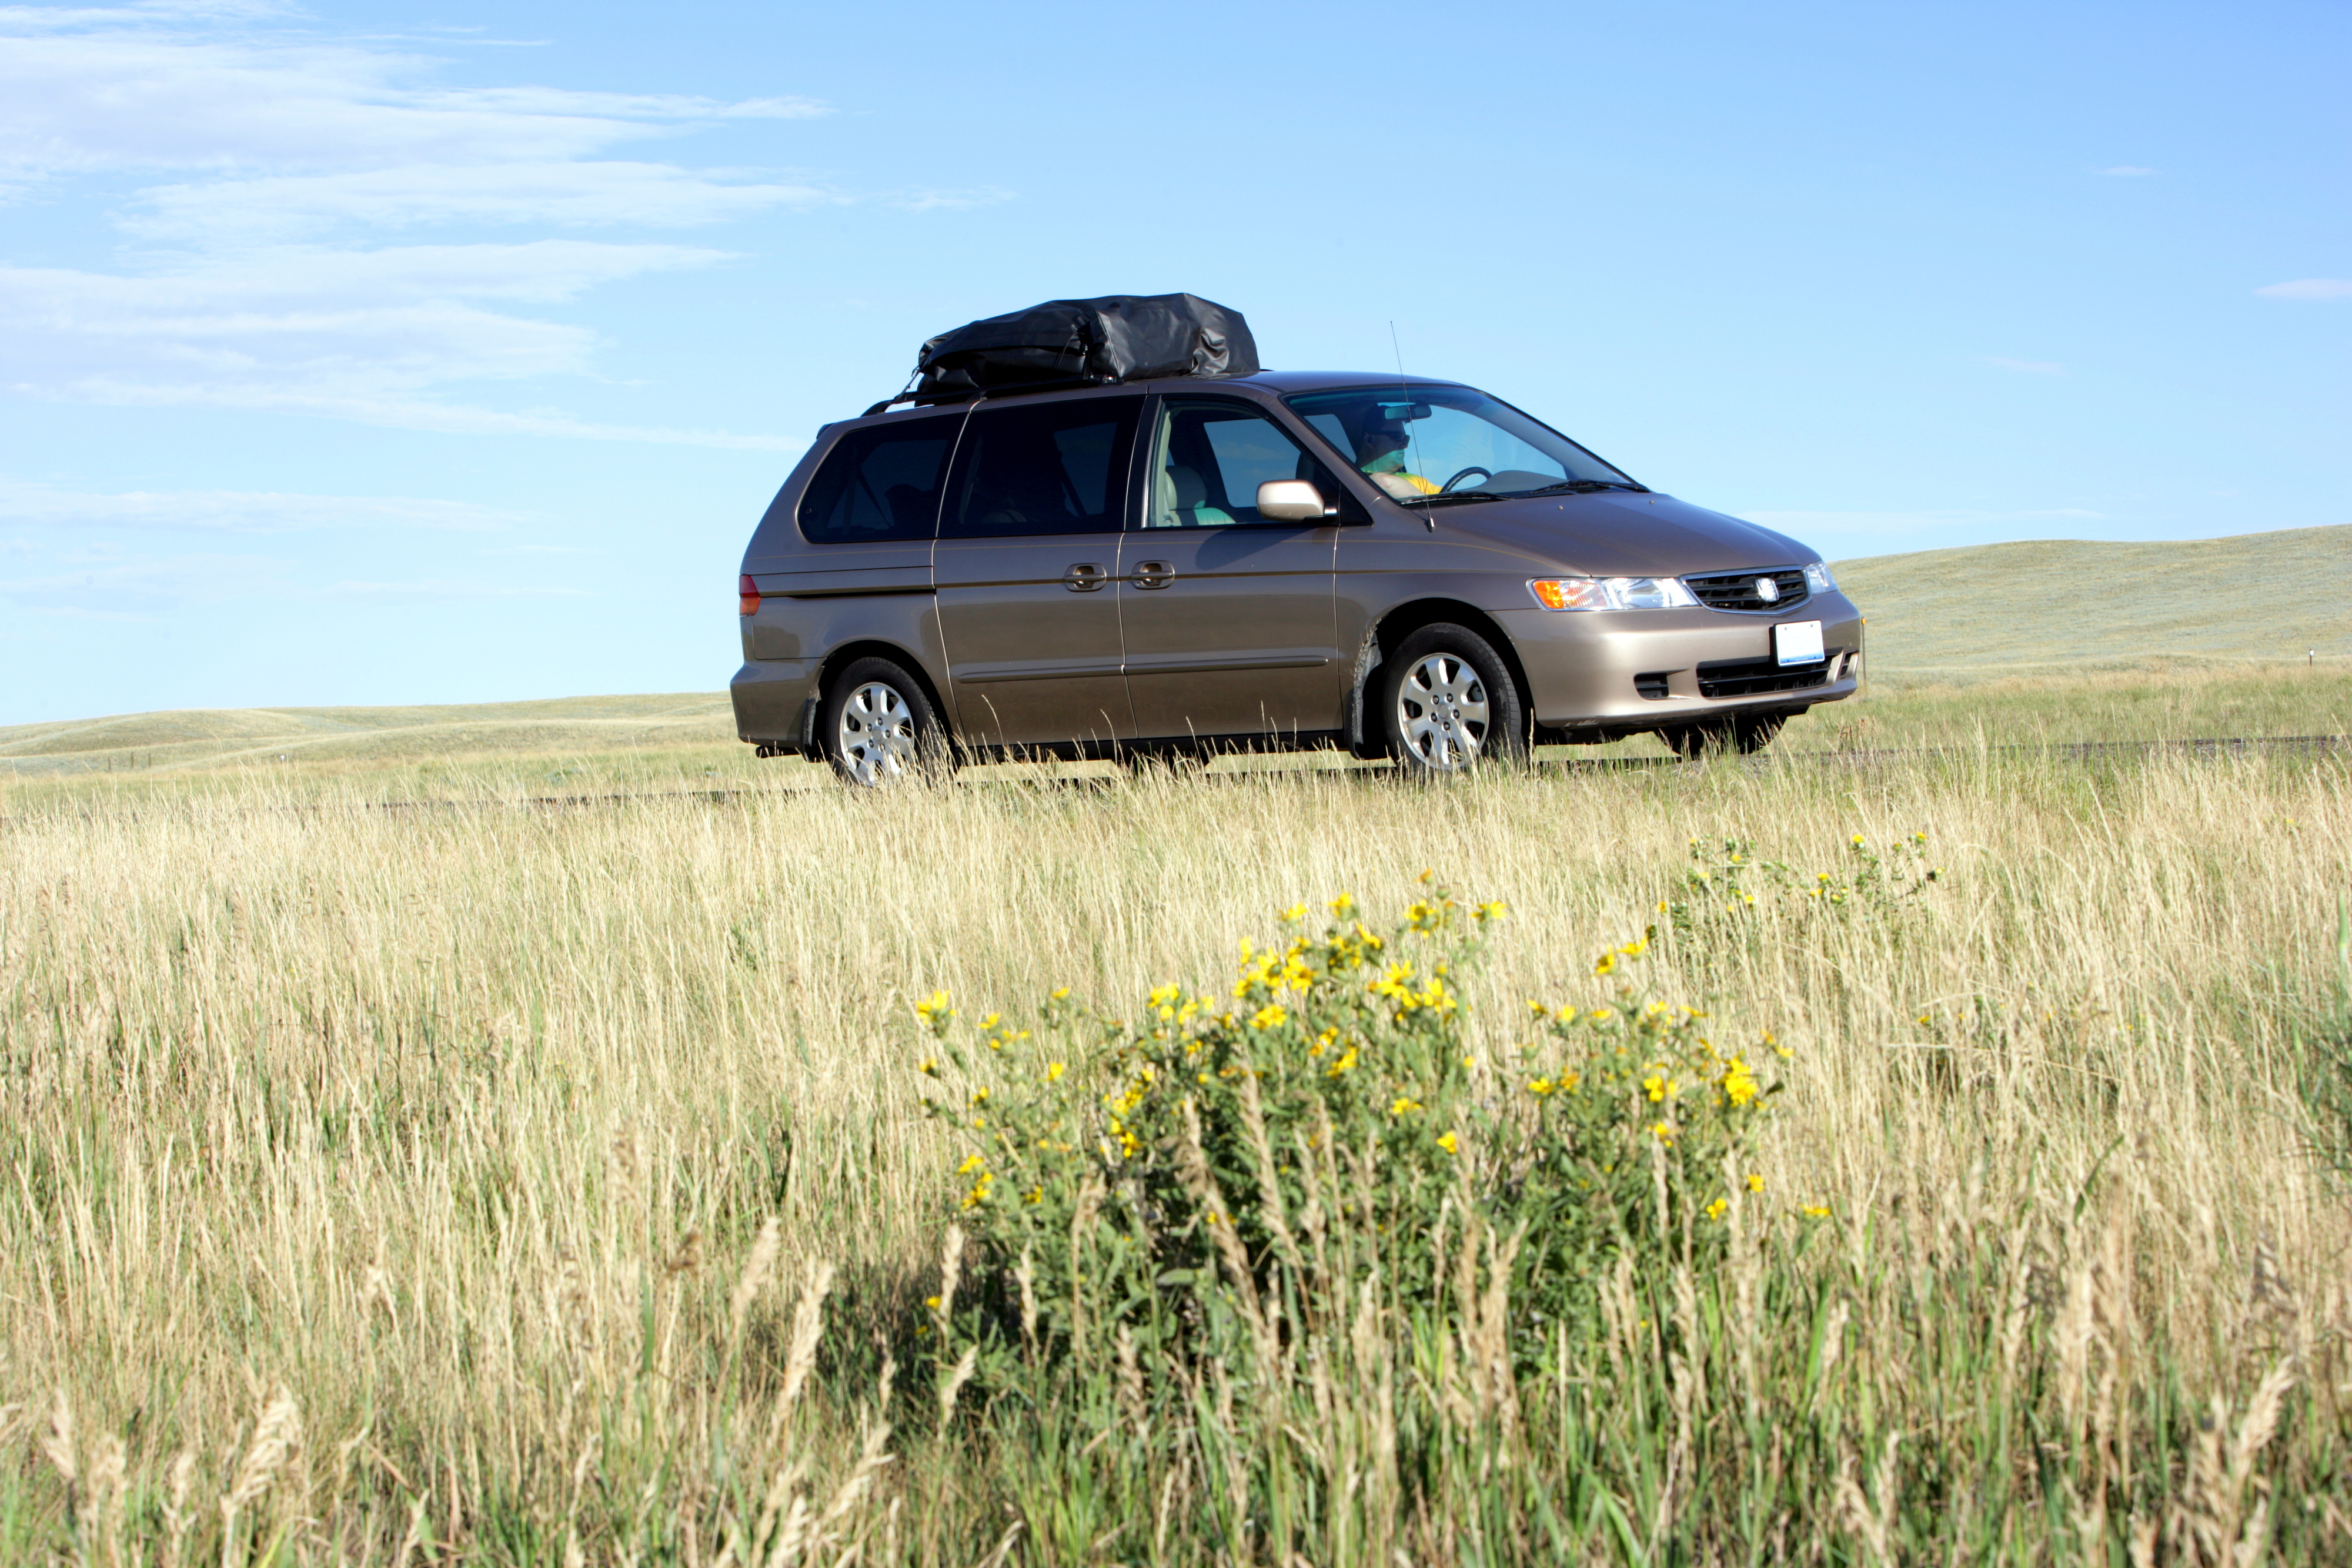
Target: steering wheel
[{"x": 1447, "y": 488}]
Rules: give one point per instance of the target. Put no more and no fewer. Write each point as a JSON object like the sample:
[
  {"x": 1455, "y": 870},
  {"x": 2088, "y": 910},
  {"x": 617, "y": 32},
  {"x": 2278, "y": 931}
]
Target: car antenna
[{"x": 1428, "y": 516}]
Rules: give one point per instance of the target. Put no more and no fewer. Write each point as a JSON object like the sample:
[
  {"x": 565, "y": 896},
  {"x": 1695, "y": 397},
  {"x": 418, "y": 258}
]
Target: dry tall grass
[{"x": 395, "y": 1186}]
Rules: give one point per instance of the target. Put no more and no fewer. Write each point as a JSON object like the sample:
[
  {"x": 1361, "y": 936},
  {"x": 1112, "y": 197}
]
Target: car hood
[{"x": 1620, "y": 534}]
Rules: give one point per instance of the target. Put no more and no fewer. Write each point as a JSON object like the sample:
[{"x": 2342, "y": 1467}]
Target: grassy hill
[
  {"x": 2176, "y": 637},
  {"x": 2050, "y": 604},
  {"x": 364, "y": 735}
]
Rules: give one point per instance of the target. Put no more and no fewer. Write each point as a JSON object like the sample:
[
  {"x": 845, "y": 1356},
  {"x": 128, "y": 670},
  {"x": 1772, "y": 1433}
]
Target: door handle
[
  {"x": 1154, "y": 573},
  {"x": 1084, "y": 577}
]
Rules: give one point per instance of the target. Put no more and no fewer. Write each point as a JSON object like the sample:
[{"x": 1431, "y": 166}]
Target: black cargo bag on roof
[{"x": 1118, "y": 337}]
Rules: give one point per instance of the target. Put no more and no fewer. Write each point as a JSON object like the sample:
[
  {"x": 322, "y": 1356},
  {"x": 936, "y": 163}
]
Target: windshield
[{"x": 1422, "y": 443}]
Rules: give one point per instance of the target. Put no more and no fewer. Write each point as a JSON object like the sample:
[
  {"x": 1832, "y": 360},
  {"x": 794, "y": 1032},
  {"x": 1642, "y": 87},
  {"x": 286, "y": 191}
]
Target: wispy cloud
[
  {"x": 134, "y": 89},
  {"x": 144, "y": 586},
  {"x": 237, "y": 511},
  {"x": 2310, "y": 288},
  {"x": 361, "y": 335},
  {"x": 2026, "y": 367},
  {"x": 930, "y": 201},
  {"x": 2126, "y": 171},
  {"x": 606, "y": 194},
  {"x": 290, "y": 159},
  {"x": 450, "y": 588}
]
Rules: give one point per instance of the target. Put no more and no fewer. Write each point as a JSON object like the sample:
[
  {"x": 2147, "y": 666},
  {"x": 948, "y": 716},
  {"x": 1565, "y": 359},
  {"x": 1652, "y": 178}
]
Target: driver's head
[{"x": 1383, "y": 437}]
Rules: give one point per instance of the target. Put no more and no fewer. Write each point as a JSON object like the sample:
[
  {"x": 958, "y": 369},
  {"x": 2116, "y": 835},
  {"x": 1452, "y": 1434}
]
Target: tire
[
  {"x": 877, "y": 726},
  {"x": 1745, "y": 733},
  {"x": 1446, "y": 702}
]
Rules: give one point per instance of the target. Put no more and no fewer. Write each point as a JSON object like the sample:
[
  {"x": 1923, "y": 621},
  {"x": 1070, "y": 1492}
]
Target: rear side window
[
  {"x": 879, "y": 484},
  {"x": 1047, "y": 468}
]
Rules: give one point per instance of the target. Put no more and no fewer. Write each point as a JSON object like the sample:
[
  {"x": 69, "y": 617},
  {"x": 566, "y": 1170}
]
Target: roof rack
[{"x": 941, "y": 399}]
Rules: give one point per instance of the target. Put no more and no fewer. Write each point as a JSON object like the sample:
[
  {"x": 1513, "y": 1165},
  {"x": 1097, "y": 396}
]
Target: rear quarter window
[{"x": 879, "y": 484}]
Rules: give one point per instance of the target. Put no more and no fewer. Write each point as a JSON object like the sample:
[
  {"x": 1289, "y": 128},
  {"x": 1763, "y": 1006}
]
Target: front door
[
  {"x": 1027, "y": 556},
  {"x": 1228, "y": 616}
]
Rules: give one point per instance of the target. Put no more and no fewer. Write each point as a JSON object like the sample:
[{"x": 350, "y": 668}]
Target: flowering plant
[{"x": 1323, "y": 1127}]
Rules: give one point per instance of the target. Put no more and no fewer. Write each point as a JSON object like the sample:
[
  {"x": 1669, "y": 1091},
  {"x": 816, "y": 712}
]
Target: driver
[{"x": 1380, "y": 454}]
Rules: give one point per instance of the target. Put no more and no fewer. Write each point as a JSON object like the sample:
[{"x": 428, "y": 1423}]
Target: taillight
[{"x": 751, "y": 592}]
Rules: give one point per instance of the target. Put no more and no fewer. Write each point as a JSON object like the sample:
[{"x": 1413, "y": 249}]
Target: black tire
[
  {"x": 1435, "y": 723},
  {"x": 1745, "y": 733},
  {"x": 873, "y": 739}
]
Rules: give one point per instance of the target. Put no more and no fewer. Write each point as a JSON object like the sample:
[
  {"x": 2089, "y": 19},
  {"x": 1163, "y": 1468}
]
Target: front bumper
[{"x": 1603, "y": 669}]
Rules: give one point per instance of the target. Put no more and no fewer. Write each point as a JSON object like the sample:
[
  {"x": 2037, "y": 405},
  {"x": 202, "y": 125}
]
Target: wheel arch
[
  {"x": 1401, "y": 621},
  {"x": 838, "y": 659}
]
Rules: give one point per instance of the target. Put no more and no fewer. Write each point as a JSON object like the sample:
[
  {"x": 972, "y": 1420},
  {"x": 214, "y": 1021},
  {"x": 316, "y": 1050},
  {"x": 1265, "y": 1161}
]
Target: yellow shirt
[{"x": 1395, "y": 480}]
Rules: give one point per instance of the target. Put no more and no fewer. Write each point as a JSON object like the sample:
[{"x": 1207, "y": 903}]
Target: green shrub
[{"x": 1262, "y": 1161}]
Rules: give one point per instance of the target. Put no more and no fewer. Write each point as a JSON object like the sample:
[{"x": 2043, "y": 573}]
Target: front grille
[
  {"x": 1737, "y": 590},
  {"x": 1753, "y": 677}
]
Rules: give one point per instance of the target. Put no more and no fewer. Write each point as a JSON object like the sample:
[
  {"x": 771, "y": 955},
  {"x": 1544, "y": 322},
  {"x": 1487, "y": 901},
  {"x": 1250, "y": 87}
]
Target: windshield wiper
[
  {"x": 1445, "y": 497},
  {"x": 1580, "y": 486}
]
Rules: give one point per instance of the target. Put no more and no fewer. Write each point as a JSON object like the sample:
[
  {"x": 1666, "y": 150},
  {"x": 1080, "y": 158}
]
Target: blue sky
[{"x": 372, "y": 353}]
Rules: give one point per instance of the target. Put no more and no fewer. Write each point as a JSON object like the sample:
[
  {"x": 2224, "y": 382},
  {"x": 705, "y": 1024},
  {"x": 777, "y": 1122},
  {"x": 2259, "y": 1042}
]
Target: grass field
[{"x": 481, "y": 1182}]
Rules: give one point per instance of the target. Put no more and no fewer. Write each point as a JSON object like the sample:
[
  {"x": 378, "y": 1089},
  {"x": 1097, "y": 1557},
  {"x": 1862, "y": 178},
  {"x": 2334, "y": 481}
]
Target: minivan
[{"x": 1396, "y": 566}]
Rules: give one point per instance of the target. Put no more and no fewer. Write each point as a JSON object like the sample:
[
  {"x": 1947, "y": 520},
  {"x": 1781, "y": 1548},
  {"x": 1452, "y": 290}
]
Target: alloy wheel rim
[
  {"x": 1442, "y": 713},
  {"x": 877, "y": 733}
]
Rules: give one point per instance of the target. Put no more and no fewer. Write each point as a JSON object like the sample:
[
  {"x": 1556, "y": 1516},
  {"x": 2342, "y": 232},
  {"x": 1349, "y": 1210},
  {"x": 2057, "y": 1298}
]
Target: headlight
[
  {"x": 1610, "y": 593},
  {"x": 1818, "y": 578}
]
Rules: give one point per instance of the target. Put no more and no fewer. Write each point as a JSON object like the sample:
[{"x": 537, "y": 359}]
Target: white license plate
[{"x": 1798, "y": 643}]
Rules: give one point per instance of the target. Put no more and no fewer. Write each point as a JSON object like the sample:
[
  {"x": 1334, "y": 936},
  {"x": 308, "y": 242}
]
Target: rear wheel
[
  {"x": 877, "y": 725},
  {"x": 1745, "y": 733},
  {"x": 1446, "y": 701}
]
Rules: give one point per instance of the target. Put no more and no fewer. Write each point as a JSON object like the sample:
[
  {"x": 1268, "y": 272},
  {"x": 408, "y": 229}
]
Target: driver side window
[{"x": 1209, "y": 457}]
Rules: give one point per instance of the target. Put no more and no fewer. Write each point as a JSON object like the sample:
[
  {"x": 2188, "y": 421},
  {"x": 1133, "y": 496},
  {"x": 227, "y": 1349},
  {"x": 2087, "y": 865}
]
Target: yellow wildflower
[
  {"x": 1755, "y": 1183},
  {"x": 1448, "y": 1144},
  {"x": 1053, "y": 1070},
  {"x": 1267, "y": 1017},
  {"x": 1296, "y": 912},
  {"x": 1343, "y": 905},
  {"x": 1815, "y": 1212},
  {"x": 1716, "y": 1210},
  {"x": 1404, "y": 1104}
]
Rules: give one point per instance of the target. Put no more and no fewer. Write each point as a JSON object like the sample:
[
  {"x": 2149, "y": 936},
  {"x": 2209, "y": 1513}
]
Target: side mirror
[{"x": 1291, "y": 501}]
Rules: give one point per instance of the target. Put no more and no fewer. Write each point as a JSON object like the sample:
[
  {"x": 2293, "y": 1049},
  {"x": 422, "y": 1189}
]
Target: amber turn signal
[{"x": 750, "y": 593}]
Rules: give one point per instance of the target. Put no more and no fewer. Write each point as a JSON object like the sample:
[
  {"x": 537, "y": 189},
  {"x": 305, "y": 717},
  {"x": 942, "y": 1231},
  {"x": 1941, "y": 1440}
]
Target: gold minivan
[{"x": 1394, "y": 566}]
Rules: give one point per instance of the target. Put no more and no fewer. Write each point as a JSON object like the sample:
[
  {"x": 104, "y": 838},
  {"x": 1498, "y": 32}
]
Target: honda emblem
[{"x": 1767, "y": 589}]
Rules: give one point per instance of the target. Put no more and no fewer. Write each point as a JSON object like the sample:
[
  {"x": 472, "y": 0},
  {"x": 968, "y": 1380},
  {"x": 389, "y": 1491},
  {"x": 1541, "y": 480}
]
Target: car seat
[{"x": 1185, "y": 500}]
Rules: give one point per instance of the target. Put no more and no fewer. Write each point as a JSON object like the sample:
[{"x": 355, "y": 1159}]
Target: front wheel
[
  {"x": 877, "y": 725},
  {"x": 1446, "y": 701}
]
